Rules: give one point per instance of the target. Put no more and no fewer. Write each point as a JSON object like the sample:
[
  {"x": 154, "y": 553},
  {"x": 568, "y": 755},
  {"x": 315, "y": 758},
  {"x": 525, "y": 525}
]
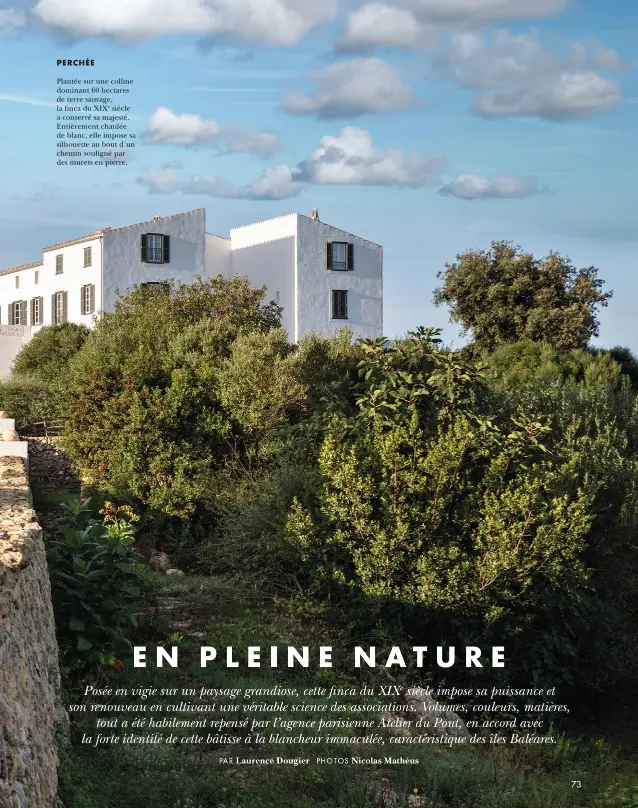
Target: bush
[
  {"x": 95, "y": 584},
  {"x": 498, "y": 511},
  {"x": 27, "y": 400},
  {"x": 143, "y": 415},
  {"x": 46, "y": 356}
]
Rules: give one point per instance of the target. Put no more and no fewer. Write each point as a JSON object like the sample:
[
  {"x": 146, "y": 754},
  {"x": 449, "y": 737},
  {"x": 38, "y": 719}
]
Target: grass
[{"x": 193, "y": 611}]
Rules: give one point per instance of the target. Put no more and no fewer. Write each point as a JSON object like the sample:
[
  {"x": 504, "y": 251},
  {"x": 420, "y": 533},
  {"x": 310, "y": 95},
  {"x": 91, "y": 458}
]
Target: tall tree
[{"x": 504, "y": 294}]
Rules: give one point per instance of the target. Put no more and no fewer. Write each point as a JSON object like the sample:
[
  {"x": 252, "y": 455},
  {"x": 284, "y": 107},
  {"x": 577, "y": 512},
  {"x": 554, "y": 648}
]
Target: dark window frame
[
  {"x": 340, "y": 266},
  {"x": 164, "y": 250},
  {"x": 339, "y": 305}
]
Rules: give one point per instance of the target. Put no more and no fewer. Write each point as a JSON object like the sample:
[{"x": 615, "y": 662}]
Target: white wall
[
  {"x": 12, "y": 338},
  {"x": 315, "y": 283},
  {"x": 123, "y": 267},
  {"x": 218, "y": 256},
  {"x": 73, "y": 277},
  {"x": 265, "y": 254}
]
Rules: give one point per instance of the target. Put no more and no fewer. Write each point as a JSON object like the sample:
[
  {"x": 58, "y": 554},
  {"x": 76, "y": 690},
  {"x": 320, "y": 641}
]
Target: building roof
[
  {"x": 90, "y": 237},
  {"x": 22, "y": 266},
  {"x": 79, "y": 240}
]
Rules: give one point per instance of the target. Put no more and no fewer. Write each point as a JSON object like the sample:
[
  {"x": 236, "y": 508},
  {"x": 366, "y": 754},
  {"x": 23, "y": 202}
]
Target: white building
[{"x": 323, "y": 277}]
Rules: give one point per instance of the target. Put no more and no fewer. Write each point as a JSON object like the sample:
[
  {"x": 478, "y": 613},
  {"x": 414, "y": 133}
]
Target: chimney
[
  {"x": 315, "y": 214},
  {"x": 158, "y": 217}
]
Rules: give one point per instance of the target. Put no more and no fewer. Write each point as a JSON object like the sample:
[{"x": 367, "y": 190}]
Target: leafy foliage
[
  {"x": 95, "y": 584},
  {"x": 143, "y": 414},
  {"x": 27, "y": 400},
  {"x": 504, "y": 295},
  {"x": 46, "y": 356}
]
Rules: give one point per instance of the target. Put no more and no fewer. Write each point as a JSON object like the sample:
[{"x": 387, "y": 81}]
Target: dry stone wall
[
  {"x": 50, "y": 467},
  {"x": 30, "y": 712}
]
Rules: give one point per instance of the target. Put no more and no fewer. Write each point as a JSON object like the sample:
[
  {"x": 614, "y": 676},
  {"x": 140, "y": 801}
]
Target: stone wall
[
  {"x": 29, "y": 675},
  {"x": 50, "y": 467}
]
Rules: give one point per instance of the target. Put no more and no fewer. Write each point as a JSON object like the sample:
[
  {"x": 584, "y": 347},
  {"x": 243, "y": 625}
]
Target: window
[
  {"x": 88, "y": 257},
  {"x": 36, "y": 276},
  {"x": 155, "y": 248},
  {"x": 339, "y": 255},
  {"x": 17, "y": 281},
  {"x": 155, "y": 285},
  {"x": 59, "y": 264},
  {"x": 18, "y": 312},
  {"x": 58, "y": 308},
  {"x": 339, "y": 304},
  {"x": 87, "y": 299},
  {"x": 36, "y": 311}
]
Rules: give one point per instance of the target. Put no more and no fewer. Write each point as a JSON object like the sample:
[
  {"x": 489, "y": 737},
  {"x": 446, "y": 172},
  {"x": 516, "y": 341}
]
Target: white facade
[
  {"x": 12, "y": 338},
  {"x": 290, "y": 255}
]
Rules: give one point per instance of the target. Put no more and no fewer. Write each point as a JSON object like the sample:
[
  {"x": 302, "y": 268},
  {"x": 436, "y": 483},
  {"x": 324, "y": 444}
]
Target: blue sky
[{"x": 429, "y": 126}]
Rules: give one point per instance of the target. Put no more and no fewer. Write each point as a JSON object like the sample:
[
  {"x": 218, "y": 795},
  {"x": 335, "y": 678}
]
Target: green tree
[
  {"x": 149, "y": 405},
  {"x": 494, "y": 500},
  {"x": 46, "y": 356},
  {"x": 504, "y": 295}
]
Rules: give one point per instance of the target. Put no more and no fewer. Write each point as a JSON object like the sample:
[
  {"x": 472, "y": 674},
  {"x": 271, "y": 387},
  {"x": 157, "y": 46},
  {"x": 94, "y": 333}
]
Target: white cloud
[
  {"x": 280, "y": 182},
  {"x": 11, "y": 20},
  {"x": 381, "y": 24},
  {"x": 27, "y": 99},
  {"x": 276, "y": 22},
  {"x": 516, "y": 75},
  {"x": 350, "y": 158},
  {"x": 473, "y": 186},
  {"x": 350, "y": 88},
  {"x": 186, "y": 129},
  {"x": 160, "y": 180},
  {"x": 454, "y": 11},
  {"x": 412, "y": 23}
]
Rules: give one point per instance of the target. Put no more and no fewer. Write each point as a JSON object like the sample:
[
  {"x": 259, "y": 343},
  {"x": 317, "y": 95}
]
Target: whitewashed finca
[{"x": 323, "y": 277}]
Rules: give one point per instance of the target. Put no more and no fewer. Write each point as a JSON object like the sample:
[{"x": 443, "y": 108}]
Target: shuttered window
[
  {"x": 87, "y": 299},
  {"x": 18, "y": 312},
  {"x": 59, "y": 308},
  {"x": 88, "y": 257},
  {"x": 59, "y": 264},
  {"x": 37, "y": 311},
  {"x": 155, "y": 248},
  {"x": 339, "y": 256},
  {"x": 339, "y": 304}
]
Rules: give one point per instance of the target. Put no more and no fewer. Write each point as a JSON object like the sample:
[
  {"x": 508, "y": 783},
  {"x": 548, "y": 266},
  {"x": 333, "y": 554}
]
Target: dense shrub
[
  {"x": 95, "y": 584},
  {"x": 27, "y": 400},
  {"x": 511, "y": 517},
  {"x": 46, "y": 356}
]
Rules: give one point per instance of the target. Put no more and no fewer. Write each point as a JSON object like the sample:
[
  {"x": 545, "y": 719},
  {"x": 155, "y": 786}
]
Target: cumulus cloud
[
  {"x": 350, "y": 88},
  {"x": 277, "y": 22},
  {"x": 278, "y": 182},
  {"x": 381, "y": 24},
  {"x": 11, "y": 20},
  {"x": 515, "y": 75},
  {"x": 410, "y": 23},
  {"x": 473, "y": 186},
  {"x": 186, "y": 129},
  {"x": 160, "y": 180},
  {"x": 349, "y": 158}
]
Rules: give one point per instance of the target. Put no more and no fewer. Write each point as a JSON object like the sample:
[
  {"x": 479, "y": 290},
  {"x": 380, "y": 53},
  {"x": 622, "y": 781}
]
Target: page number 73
[{"x": 576, "y": 784}]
